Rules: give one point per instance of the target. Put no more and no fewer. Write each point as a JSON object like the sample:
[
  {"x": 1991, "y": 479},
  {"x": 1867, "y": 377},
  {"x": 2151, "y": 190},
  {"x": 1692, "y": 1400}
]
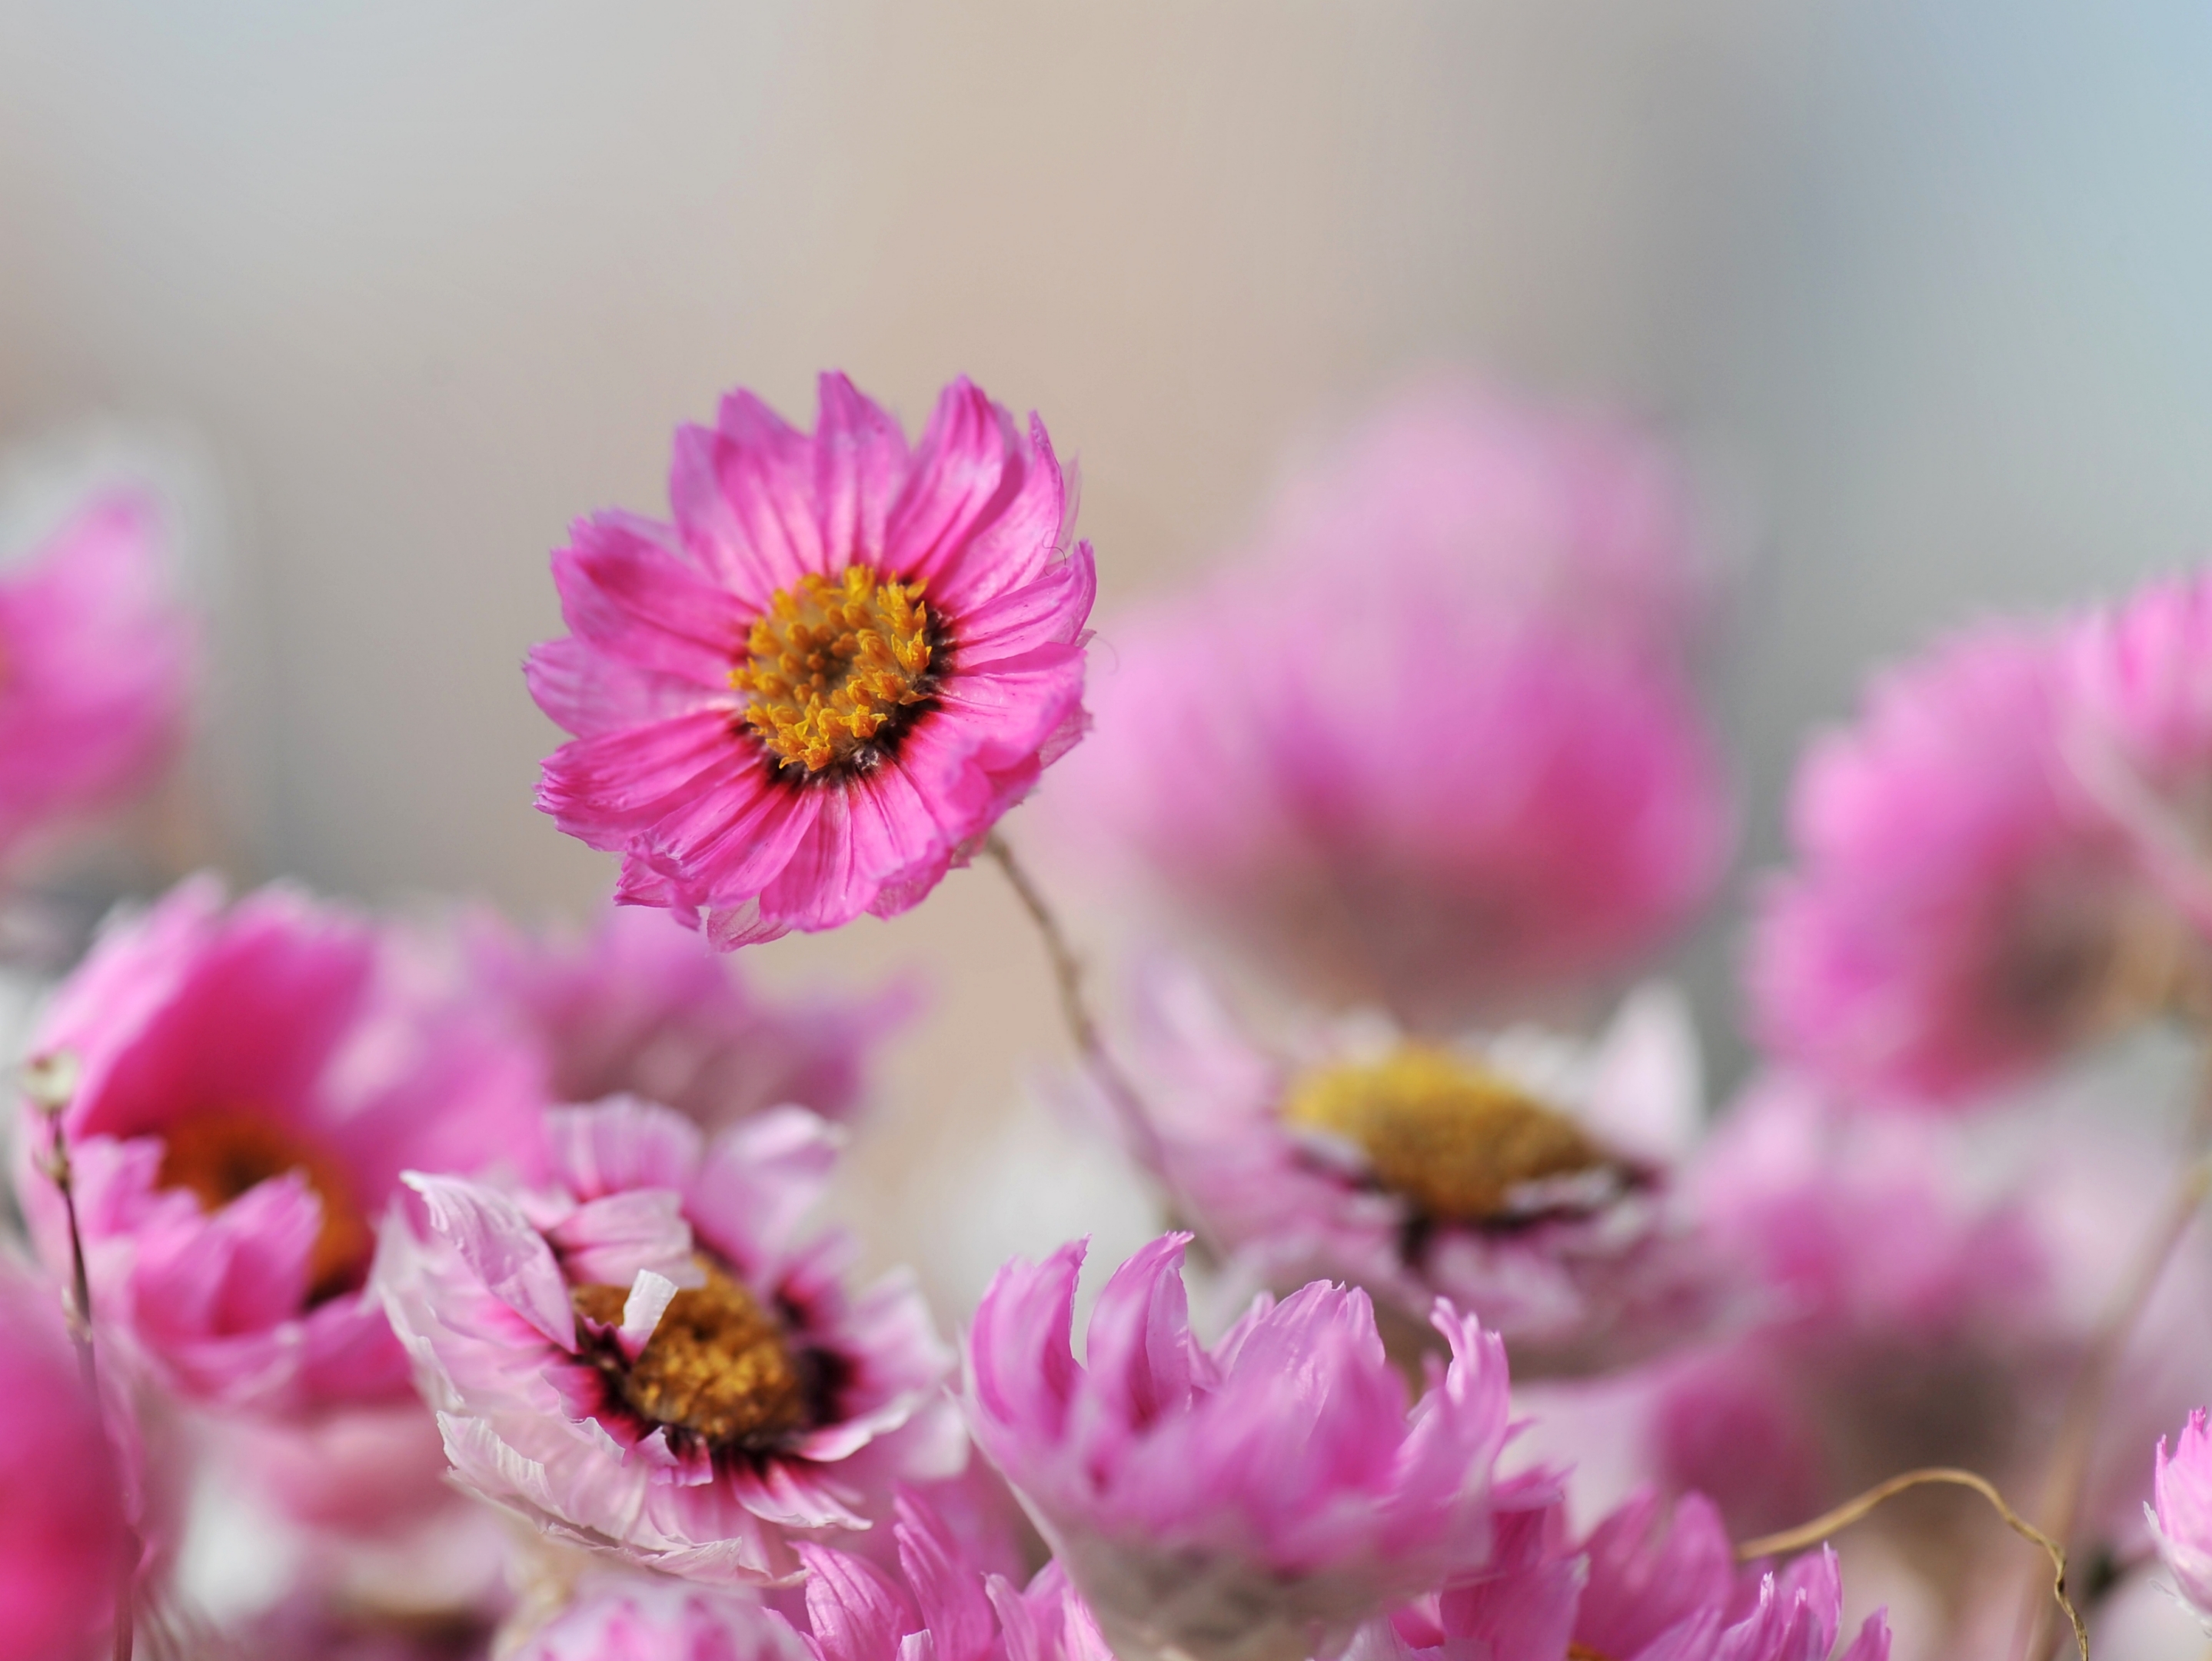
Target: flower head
[
  {"x": 642, "y": 1357},
  {"x": 1257, "y": 1500},
  {"x": 637, "y": 1618},
  {"x": 65, "y": 1546},
  {"x": 2180, "y": 1512},
  {"x": 1523, "y": 1174},
  {"x": 251, "y": 1081},
  {"x": 1409, "y": 751},
  {"x": 640, "y": 1007},
  {"x": 820, "y": 688},
  {"x": 94, "y": 656}
]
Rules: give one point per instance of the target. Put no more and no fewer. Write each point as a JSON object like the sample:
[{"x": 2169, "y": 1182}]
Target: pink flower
[
  {"x": 94, "y": 656},
  {"x": 943, "y": 1599},
  {"x": 642, "y": 1357},
  {"x": 1523, "y": 1174},
  {"x": 819, "y": 689},
  {"x": 2180, "y": 1513},
  {"x": 1412, "y": 749},
  {"x": 1258, "y": 1499},
  {"x": 635, "y": 1618},
  {"x": 252, "y": 1082},
  {"x": 65, "y": 1544},
  {"x": 640, "y": 1007}
]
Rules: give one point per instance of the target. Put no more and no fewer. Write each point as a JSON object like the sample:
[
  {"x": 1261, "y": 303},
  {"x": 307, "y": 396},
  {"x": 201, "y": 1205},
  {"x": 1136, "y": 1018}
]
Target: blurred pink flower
[
  {"x": 645, "y": 1359},
  {"x": 642, "y": 1006},
  {"x": 65, "y": 1541},
  {"x": 641, "y": 1618},
  {"x": 1257, "y": 1500},
  {"x": 2006, "y": 855},
  {"x": 1524, "y": 1175},
  {"x": 95, "y": 658},
  {"x": 2180, "y": 1513},
  {"x": 1424, "y": 745},
  {"x": 821, "y": 687},
  {"x": 944, "y": 1600},
  {"x": 251, "y": 1083}
]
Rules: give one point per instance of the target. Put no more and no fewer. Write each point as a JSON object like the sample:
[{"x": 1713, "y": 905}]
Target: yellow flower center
[
  {"x": 835, "y": 667},
  {"x": 718, "y": 1366},
  {"x": 1455, "y": 1138},
  {"x": 219, "y": 1155}
]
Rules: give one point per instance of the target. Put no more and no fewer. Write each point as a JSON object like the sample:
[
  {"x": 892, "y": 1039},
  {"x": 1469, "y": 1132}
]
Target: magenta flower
[
  {"x": 944, "y": 1599},
  {"x": 640, "y": 1007},
  {"x": 94, "y": 658},
  {"x": 644, "y": 1359},
  {"x": 819, "y": 689},
  {"x": 65, "y": 1547},
  {"x": 1259, "y": 1500},
  {"x": 252, "y": 1082},
  {"x": 2180, "y": 1513},
  {"x": 1411, "y": 749},
  {"x": 1523, "y": 1175},
  {"x": 641, "y": 1618}
]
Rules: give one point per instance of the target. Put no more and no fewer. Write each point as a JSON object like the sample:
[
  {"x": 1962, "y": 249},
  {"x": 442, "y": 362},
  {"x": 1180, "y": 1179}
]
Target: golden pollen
[
  {"x": 717, "y": 1365},
  {"x": 834, "y": 664},
  {"x": 1453, "y": 1138},
  {"x": 219, "y": 1155}
]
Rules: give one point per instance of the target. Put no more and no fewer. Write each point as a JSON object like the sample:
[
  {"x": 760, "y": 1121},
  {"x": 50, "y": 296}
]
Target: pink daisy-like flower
[
  {"x": 1431, "y": 764},
  {"x": 640, "y": 1007},
  {"x": 644, "y": 1359},
  {"x": 819, "y": 690},
  {"x": 66, "y": 1552},
  {"x": 94, "y": 658},
  {"x": 637, "y": 1618},
  {"x": 2180, "y": 1513},
  {"x": 251, "y": 1081},
  {"x": 1254, "y": 1501},
  {"x": 1523, "y": 1175}
]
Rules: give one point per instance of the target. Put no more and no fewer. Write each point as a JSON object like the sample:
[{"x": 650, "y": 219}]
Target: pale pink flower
[
  {"x": 94, "y": 658},
  {"x": 1410, "y": 749},
  {"x": 1523, "y": 1174},
  {"x": 1251, "y": 1502},
  {"x": 642, "y": 1618},
  {"x": 642, "y": 1006},
  {"x": 644, "y": 1356},
  {"x": 819, "y": 689},
  {"x": 66, "y": 1550},
  {"x": 2180, "y": 1513},
  {"x": 251, "y": 1082}
]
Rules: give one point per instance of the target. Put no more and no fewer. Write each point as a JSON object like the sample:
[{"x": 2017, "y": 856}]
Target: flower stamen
[
  {"x": 836, "y": 667},
  {"x": 219, "y": 1155}
]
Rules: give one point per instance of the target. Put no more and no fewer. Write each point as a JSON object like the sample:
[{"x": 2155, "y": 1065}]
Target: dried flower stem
[
  {"x": 1075, "y": 1009},
  {"x": 51, "y": 1081},
  {"x": 1834, "y": 1522}
]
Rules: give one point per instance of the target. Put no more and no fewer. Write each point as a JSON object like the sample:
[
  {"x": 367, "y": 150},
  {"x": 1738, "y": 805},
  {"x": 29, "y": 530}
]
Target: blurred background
[{"x": 382, "y": 295}]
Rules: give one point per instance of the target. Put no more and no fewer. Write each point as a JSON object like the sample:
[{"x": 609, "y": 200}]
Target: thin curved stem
[
  {"x": 1834, "y": 1522},
  {"x": 1068, "y": 975}
]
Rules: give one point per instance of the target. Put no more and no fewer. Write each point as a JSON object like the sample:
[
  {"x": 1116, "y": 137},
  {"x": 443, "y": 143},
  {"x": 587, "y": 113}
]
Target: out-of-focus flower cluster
[{"x": 482, "y": 1265}]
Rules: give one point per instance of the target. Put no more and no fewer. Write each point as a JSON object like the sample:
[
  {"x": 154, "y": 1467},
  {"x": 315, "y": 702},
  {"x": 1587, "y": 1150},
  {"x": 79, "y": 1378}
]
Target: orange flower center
[
  {"x": 219, "y": 1155},
  {"x": 1455, "y": 1138},
  {"x": 834, "y": 666},
  {"x": 718, "y": 1365}
]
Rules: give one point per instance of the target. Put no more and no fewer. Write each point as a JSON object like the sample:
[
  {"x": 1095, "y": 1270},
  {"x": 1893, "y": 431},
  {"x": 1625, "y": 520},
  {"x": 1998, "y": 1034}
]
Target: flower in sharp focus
[
  {"x": 1411, "y": 750},
  {"x": 2004, "y": 858},
  {"x": 644, "y": 1357},
  {"x": 820, "y": 688},
  {"x": 251, "y": 1081},
  {"x": 94, "y": 658},
  {"x": 1254, "y": 1501},
  {"x": 641, "y": 1006},
  {"x": 65, "y": 1544},
  {"x": 943, "y": 1596},
  {"x": 1524, "y": 1175},
  {"x": 2180, "y": 1513},
  {"x": 637, "y": 1618}
]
